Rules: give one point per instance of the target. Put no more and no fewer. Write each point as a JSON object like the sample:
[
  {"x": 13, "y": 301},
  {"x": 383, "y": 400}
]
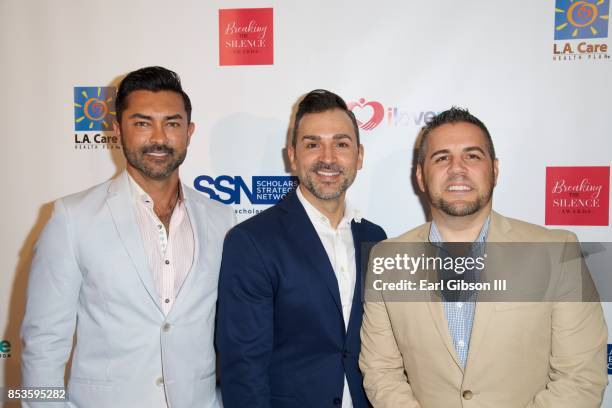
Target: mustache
[
  {"x": 157, "y": 148},
  {"x": 454, "y": 179},
  {"x": 332, "y": 167}
]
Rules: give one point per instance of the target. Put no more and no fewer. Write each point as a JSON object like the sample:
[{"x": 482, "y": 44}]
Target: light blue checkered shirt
[{"x": 460, "y": 315}]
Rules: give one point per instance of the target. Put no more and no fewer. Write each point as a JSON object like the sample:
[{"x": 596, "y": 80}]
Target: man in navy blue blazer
[{"x": 290, "y": 303}]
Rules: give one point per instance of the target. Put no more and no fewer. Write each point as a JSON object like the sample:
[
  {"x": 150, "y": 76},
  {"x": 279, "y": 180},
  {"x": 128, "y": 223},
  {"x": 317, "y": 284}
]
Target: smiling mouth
[
  {"x": 459, "y": 188},
  {"x": 328, "y": 173}
]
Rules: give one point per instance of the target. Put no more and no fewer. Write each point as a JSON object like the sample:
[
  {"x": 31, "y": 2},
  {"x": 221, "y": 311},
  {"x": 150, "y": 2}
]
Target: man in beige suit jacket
[{"x": 502, "y": 354}]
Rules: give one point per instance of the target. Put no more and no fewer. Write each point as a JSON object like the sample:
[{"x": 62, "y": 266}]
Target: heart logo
[{"x": 368, "y": 114}]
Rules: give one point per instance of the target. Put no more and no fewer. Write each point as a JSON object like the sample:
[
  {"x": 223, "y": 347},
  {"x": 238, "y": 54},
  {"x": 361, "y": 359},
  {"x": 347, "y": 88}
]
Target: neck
[
  {"x": 460, "y": 229},
  {"x": 163, "y": 192},
  {"x": 333, "y": 209}
]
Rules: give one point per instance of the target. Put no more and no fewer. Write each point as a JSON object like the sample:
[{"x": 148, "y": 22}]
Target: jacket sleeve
[
  {"x": 380, "y": 361},
  {"x": 51, "y": 307},
  {"x": 577, "y": 374},
  {"x": 244, "y": 323}
]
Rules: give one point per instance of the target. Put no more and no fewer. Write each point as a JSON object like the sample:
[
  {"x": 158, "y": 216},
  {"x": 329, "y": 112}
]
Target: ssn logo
[{"x": 229, "y": 189}]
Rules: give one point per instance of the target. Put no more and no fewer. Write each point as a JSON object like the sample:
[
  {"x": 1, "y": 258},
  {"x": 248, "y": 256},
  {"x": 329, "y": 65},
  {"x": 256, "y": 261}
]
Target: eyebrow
[
  {"x": 465, "y": 150},
  {"x": 335, "y": 137},
  {"x": 147, "y": 117}
]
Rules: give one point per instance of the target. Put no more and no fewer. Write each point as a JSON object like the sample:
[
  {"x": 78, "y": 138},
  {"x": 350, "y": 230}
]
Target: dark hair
[
  {"x": 452, "y": 116},
  {"x": 318, "y": 101},
  {"x": 153, "y": 79}
]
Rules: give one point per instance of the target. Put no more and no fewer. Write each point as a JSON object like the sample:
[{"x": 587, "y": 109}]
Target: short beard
[
  {"x": 462, "y": 210},
  {"x": 135, "y": 159},
  {"x": 310, "y": 185}
]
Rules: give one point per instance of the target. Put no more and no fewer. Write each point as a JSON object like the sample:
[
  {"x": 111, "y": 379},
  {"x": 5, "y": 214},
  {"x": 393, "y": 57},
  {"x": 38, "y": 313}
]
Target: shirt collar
[
  {"x": 141, "y": 196},
  {"x": 435, "y": 236},
  {"x": 350, "y": 213}
]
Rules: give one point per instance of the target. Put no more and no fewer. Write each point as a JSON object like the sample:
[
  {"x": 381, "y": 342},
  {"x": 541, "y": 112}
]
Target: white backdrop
[{"x": 495, "y": 58}]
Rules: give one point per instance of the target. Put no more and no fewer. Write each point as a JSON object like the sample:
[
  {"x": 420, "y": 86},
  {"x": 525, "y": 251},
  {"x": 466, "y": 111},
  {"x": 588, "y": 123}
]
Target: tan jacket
[{"x": 544, "y": 355}]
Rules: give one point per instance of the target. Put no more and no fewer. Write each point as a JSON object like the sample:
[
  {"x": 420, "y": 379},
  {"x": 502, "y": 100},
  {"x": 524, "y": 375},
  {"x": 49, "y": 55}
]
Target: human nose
[
  {"x": 158, "y": 135},
  {"x": 327, "y": 154},
  {"x": 457, "y": 166}
]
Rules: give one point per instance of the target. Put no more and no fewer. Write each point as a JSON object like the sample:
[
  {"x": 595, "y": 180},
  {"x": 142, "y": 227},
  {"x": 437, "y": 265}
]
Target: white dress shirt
[{"x": 340, "y": 248}]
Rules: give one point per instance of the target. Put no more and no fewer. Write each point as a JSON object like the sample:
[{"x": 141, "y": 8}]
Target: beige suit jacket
[{"x": 544, "y": 355}]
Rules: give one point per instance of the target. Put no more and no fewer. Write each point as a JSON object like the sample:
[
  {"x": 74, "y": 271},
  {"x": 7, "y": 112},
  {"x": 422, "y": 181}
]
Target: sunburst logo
[
  {"x": 94, "y": 108},
  {"x": 579, "y": 19}
]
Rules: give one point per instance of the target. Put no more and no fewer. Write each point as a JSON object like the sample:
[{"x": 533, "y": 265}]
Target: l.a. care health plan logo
[
  {"x": 94, "y": 113},
  {"x": 94, "y": 108},
  {"x": 577, "y": 21}
]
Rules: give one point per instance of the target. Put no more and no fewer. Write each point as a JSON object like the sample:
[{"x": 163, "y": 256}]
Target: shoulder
[
  {"x": 522, "y": 231},
  {"x": 89, "y": 199},
  {"x": 418, "y": 234},
  {"x": 215, "y": 217},
  {"x": 264, "y": 223},
  {"x": 215, "y": 208},
  {"x": 371, "y": 231},
  {"x": 262, "y": 231}
]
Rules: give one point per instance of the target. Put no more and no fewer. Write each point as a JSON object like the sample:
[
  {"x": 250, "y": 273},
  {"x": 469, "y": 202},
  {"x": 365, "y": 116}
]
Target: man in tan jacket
[{"x": 464, "y": 352}]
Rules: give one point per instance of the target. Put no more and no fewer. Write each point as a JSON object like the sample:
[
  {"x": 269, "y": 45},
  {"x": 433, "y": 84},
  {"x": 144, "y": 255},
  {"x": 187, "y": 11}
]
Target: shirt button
[
  {"x": 467, "y": 394},
  {"x": 159, "y": 226},
  {"x": 461, "y": 343},
  {"x": 167, "y": 300},
  {"x": 166, "y": 327},
  {"x": 167, "y": 262},
  {"x": 159, "y": 381}
]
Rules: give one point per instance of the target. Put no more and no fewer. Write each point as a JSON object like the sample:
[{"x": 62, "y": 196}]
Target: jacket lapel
[
  {"x": 122, "y": 213},
  {"x": 306, "y": 240},
  {"x": 356, "y": 308},
  {"x": 498, "y": 232},
  {"x": 436, "y": 305}
]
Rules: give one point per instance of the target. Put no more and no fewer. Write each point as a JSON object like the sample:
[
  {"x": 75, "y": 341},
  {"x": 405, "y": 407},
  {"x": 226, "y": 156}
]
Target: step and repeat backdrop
[{"x": 538, "y": 73}]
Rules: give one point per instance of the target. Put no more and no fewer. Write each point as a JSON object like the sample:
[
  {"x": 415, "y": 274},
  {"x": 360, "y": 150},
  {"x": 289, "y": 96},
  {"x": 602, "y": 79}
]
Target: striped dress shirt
[{"x": 170, "y": 253}]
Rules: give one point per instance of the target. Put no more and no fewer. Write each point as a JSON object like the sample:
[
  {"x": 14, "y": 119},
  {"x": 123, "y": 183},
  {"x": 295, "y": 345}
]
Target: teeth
[
  {"x": 157, "y": 154},
  {"x": 459, "y": 188},
  {"x": 326, "y": 174}
]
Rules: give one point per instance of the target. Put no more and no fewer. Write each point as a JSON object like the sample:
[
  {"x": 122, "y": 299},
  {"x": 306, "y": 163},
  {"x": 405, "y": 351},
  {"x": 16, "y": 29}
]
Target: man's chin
[
  {"x": 155, "y": 173},
  {"x": 459, "y": 209},
  {"x": 325, "y": 194}
]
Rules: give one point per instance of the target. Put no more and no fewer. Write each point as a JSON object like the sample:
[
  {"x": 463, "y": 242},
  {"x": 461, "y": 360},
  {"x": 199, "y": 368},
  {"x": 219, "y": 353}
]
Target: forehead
[
  {"x": 330, "y": 122},
  {"x": 456, "y": 135},
  {"x": 160, "y": 101}
]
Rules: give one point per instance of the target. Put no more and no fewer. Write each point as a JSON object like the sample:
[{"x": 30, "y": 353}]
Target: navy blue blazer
[{"x": 281, "y": 336}]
